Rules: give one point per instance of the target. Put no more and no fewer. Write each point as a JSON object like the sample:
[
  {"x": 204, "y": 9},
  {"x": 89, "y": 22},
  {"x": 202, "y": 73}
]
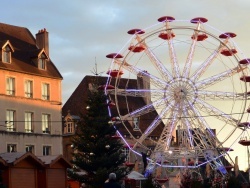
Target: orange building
[{"x": 30, "y": 93}]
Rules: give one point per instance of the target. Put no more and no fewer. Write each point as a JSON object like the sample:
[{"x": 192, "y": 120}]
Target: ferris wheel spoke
[
  {"x": 154, "y": 124},
  {"x": 188, "y": 64},
  {"x": 203, "y": 67},
  {"x": 212, "y": 111},
  {"x": 189, "y": 128},
  {"x": 139, "y": 72},
  {"x": 154, "y": 93},
  {"x": 165, "y": 74},
  {"x": 219, "y": 95},
  {"x": 219, "y": 77},
  {"x": 144, "y": 110},
  {"x": 166, "y": 135},
  {"x": 205, "y": 129},
  {"x": 173, "y": 58}
]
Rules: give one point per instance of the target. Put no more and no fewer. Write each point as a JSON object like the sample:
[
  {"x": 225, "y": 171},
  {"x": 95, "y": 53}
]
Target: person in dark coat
[
  {"x": 112, "y": 182},
  {"x": 144, "y": 159}
]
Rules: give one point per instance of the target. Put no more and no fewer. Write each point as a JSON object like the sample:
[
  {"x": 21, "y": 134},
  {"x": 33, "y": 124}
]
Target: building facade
[
  {"x": 76, "y": 105},
  {"x": 30, "y": 93}
]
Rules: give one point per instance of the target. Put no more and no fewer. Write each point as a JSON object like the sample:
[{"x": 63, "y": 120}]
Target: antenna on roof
[{"x": 95, "y": 71}]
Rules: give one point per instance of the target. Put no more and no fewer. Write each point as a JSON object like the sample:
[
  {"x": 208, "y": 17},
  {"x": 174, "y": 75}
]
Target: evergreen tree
[{"x": 96, "y": 153}]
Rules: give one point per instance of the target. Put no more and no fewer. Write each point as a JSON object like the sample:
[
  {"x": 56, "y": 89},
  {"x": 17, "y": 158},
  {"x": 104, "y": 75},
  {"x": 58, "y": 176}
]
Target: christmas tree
[{"x": 97, "y": 151}]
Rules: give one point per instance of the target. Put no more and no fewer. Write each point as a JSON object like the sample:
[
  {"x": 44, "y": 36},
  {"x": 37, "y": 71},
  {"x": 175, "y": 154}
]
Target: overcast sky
[{"x": 83, "y": 32}]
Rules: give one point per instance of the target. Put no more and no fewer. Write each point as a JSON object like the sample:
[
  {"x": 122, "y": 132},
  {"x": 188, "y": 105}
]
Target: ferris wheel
[{"x": 195, "y": 78}]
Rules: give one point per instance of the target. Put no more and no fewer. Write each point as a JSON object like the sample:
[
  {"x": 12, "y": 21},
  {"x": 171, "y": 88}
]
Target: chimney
[{"x": 42, "y": 40}]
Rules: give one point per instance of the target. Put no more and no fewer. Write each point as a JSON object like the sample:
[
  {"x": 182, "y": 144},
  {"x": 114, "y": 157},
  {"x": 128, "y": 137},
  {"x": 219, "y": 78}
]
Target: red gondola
[
  {"x": 128, "y": 164},
  {"x": 227, "y": 35},
  {"x": 200, "y": 37},
  {"x": 165, "y": 162},
  {"x": 166, "y": 36},
  {"x": 136, "y": 31},
  {"x": 244, "y": 61},
  {"x": 245, "y": 78},
  {"x": 114, "y": 56},
  {"x": 244, "y": 142},
  {"x": 115, "y": 73},
  {"x": 115, "y": 119},
  {"x": 166, "y": 19},
  {"x": 116, "y": 137},
  {"x": 162, "y": 180},
  {"x": 136, "y": 49},
  {"x": 107, "y": 87},
  {"x": 198, "y": 20},
  {"x": 228, "y": 52},
  {"x": 244, "y": 124},
  {"x": 111, "y": 104}
]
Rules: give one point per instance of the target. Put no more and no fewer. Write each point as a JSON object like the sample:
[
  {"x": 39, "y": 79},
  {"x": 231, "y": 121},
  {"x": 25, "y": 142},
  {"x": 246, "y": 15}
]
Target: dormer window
[
  {"x": 6, "y": 54},
  {"x": 69, "y": 126},
  {"x": 42, "y": 62}
]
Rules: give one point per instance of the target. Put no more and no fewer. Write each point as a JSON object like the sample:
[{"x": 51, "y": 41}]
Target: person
[
  {"x": 144, "y": 159},
  {"x": 111, "y": 182}
]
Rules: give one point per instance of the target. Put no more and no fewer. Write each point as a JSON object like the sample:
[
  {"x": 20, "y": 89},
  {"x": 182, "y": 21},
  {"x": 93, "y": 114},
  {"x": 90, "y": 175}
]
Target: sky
[{"x": 83, "y": 32}]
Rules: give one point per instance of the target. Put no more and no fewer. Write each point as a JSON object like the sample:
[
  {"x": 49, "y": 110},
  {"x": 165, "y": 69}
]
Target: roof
[
  {"x": 50, "y": 160},
  {"x": 15, "y": 157},
  {"x": 136, "y": 176},
  {"x": 25, "y": 49},
  {"x": 76, "y": 103}
]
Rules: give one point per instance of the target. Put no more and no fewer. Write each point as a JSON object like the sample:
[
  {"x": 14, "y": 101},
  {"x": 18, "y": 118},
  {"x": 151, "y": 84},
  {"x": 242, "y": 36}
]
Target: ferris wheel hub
[{"x": 179, "y": 91}]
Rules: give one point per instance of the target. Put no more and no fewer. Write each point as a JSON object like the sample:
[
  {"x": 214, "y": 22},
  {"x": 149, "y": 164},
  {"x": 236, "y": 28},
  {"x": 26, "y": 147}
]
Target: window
[
  {"x": 28, "y": 122},
  {"x": 126, "y": 152},
  {"x": 69, "y": 126},
  {"x": 6, "y": 54},
  {"x": 136, "y": 124},
  {"x": 46, "y": 150},
  {"x": 29, "y": 148},
  {"x": 42, "y": 62},
  {"x": 10, "y": 86},
  {"x": 11, "y": 148},
  {"x": 46, "y": 123},
  {"x": 10, "y": 120},
  {"x": 45, "y": 91},
  {"x": 28, "y": 88}
]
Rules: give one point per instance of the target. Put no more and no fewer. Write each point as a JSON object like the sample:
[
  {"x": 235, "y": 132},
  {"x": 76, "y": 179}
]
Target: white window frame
[
  {"x": 28, "y": 119},
  {"x": 46, "y": 123},
  {"x": 45, "y": 91},
  {"x": 10, "y": 86},
  {"x": 46, "y": 150},
  {"x": 30, "y": 148},
  {"x": 11, "y": 148},
  {"x": 28, "y": 88},
  {"x": 6, "y": 54},
  {"x": 10, "y": 120}
]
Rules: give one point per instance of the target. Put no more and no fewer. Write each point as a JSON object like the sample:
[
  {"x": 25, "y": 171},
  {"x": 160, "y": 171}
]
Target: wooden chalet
[{"x": 25, "y": 170}]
